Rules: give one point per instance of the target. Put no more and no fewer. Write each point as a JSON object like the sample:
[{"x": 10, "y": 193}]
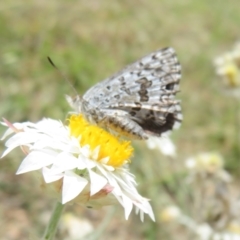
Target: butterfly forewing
[{"x": 138, "y": 100}]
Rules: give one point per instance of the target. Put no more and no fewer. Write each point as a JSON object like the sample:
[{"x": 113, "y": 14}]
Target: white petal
[
  {"x": 97, "y": 182},
  {"x": 141, "y": 216},
  {"x": 21, "y": 138},
  {"x": 95, "y": 152},
  {"x": 17, "y": 140},
  {"x": 85, "y": 151},
  {"x": 111, "y": 180},
  {"x": 72, "y": 149},
  {"x": 72, "y": 186},
  {"x": 128, "y": 188},
  {"x": 105, "y": 160},
  {"x": 43, "y": 142},
  {"x": 127, "y": 177},
  {"x": 8, "y": 150},
  {"x": 49, "y": 124},
  {"x": 81, "y": 164},
  {"x": 49, "y": 177},
  {"x": 150, "y": 211},
  {"x": 64, "y": 161},
  {"x": 109, "y": 168},
  {"x": 8, "y": 132},
  {"x": 146, "y": 208},
  {"x": 140, "y": 212},
  {"x": 36, "y": 160},
  {"x": 128, "y": 205},
  {"x": 87, "y": 162}
]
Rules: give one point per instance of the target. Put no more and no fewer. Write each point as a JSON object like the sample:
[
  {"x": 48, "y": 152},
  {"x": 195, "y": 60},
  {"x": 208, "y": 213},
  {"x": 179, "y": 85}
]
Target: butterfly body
[{"x": 138, "y": 101}]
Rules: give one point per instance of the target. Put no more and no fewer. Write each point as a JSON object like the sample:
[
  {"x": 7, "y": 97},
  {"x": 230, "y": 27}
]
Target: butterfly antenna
[{"x": 62, "y": 75}]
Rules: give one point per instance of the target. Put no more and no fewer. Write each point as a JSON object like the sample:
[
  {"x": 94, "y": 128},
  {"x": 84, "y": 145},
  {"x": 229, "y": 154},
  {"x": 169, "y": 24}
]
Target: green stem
[{"x": 53, "y": 223}]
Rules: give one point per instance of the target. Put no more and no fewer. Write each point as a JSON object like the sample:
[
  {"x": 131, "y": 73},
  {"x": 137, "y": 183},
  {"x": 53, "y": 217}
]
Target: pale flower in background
[
  {"x": 84, "y": 163},
  {"x": 203, "y": 231},
  {"x": 228, "y": 69},
  {"x": 230, "y": 73},
  {"x": 163, "y": 144},
  {"x": 76, "y": 227},
  {"x": 170, "y": 214},
  {"x": 208, "y": 163},
  {"x": 234, "y": 227}
]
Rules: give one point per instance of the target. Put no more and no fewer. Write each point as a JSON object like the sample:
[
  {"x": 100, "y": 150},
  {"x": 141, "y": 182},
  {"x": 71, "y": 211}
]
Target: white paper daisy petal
[
  {"x": 97, "y": 182},
  {"x": 17, "y": 140},
  {"x": 85, "y": 151},
  {"x": 104, "y": 160},
  {"x": 127, "y": 177},
  {"x": 50, "y": 126},
  {"x": 150, "y": 211},
  {"x": 7, "y": 133},
  {"x": 72, "y": 186},
  {"x": 36, "y": 160},
  {"x": 141, "y": 216},
  {"x": 108, "y": 167},
  {"x": 49, "y": 177},
  {"x": 64, "y": 161},
  {"x": 10, "y": 130},
  {"x": 81, "y": 164},
  {"x": 7, "y": 151},
  {"x": 21, "y": 138},
  {"x": 145, "y": 207},
  {"x": 46, "y": 141},
  {"x": 130, "y": 188},
  {"x": 111, "y": 180},
  {"x": 128, "y": 205},
  {"x": 88, "y": 163},
  {"x": 95, "y": 152}
]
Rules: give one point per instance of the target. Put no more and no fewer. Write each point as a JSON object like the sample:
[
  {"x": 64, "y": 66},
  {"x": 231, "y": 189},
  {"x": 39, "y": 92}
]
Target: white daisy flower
[
  {"x": 208, "y": 163},
  {"x": 228, "y": 69},
  {"x": 86, "y": 164}
]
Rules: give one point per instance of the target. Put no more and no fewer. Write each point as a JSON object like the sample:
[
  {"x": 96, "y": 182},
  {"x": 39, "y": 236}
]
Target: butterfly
[{"x": 138, "y": 101}]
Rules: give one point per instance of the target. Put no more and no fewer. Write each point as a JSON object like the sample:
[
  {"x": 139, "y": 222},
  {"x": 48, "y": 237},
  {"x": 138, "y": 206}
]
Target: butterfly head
[{"x": 75, "y": 102}]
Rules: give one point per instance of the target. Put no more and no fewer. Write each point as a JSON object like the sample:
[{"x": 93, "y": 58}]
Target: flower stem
[{"x": 53, "y": 223}]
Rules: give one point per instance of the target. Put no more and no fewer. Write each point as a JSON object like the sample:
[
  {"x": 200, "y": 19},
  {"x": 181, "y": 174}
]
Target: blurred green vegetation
[{"x": 89, "y": 41}]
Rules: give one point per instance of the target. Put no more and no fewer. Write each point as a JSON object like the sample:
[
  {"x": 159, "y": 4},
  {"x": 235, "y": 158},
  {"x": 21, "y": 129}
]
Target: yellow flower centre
[
  {"x": 118, "y": 151},
  {"x": 233, "y": 75}
]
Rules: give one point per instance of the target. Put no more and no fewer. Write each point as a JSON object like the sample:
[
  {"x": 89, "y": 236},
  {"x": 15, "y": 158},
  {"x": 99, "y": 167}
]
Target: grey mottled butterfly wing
[{"x": 139, "y": 100}]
